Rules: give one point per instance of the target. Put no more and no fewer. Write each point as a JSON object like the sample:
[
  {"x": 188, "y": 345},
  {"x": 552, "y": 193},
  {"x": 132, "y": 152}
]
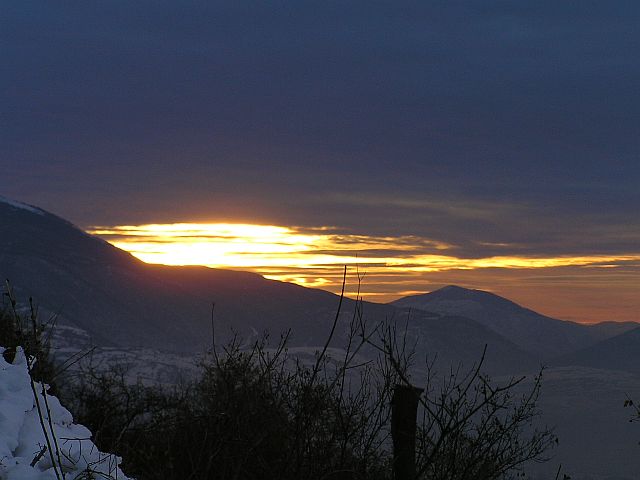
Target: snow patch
[
  {"x": 24, "y": 454},
  {"x": 21, "y": 206}
]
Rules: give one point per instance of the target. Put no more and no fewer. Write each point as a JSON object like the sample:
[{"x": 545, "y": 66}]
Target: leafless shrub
[{"x": 261, "y": 412}]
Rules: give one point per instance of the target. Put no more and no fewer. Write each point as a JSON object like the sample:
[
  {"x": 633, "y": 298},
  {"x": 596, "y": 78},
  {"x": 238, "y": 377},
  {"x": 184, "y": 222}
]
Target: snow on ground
[
  {"x": 147, "y": 365},
  {"x": 24, "y": 454},
  {"x": 20, "y": 205}
]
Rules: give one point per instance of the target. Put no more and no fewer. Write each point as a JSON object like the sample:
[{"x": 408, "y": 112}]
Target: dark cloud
[{"x": 472, "y": 123}]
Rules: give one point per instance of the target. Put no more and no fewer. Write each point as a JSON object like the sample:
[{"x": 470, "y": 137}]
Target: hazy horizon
[{"x": 390, "y": 267}]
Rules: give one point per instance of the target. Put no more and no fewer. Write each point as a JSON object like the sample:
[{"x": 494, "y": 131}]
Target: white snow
[
  {"x": 22, "y": 438},
  {"x": 20, "y": 205}
]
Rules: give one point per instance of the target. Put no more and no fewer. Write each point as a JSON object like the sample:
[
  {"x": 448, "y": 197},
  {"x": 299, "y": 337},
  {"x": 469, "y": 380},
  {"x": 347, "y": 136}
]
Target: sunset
[
  {"x": 359, "y": 143},
  {"x": 303, "y": 240},
  {"x": 388, "y": 267}
]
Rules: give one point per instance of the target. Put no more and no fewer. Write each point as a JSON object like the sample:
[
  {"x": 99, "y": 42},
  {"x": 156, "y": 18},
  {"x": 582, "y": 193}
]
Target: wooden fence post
[{"x": 404, "y": 408}]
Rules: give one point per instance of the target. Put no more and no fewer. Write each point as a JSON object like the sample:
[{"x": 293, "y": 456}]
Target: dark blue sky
[{"x": 468, "y": 122}]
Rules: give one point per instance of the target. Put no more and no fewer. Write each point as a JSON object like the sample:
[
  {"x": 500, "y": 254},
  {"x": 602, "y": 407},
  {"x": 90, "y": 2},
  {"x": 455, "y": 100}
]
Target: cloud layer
[{"x": 504, "y": 129}]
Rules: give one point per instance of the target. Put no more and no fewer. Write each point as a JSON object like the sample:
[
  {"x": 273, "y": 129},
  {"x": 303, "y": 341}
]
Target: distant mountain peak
[
  {"x": 454, "y": 299},
  {"x": 529, "y": 330},
  {"x": 452, "y": 288},
  {"x": 456, "y": 289},
  {"x": 457, "y": 292},
  {"x": 21, "y": 206}
]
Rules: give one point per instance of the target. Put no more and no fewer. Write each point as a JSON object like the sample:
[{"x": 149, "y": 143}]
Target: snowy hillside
[
  {"x": 25, "y": 452},
  {"x": 22, "y": 206}
]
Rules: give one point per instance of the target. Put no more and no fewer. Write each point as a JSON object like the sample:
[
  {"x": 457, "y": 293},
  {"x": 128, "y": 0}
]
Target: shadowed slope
[{"x": 621, "y": 352}]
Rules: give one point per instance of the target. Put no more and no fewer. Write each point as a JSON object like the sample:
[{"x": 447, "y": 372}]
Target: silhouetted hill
[
  {"x": 536, "y": 333},
  {"x": 120, "y": 301},
  {"x": 621, "y": 352},
  {"x": 604, "y": 330},
  {"x": 123, "y": 301}
]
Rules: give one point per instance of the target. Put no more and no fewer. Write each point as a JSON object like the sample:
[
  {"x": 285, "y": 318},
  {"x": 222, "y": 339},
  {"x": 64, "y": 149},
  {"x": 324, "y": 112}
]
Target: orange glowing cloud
[
  {"x": 314, "y": 257},
  {"x": 580, "y": 287}
]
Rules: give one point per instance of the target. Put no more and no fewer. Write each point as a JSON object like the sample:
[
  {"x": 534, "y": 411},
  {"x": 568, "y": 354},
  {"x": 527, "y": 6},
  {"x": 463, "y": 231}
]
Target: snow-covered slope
[
  {"x": 24, "y": 451},
  {"x": 21, "y": 206}
]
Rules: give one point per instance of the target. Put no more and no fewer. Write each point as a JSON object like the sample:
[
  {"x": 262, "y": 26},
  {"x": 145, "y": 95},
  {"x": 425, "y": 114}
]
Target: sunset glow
[{"x": 394, "y": 266}]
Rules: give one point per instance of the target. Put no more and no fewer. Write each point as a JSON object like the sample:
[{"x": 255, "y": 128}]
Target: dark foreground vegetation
[{"x": 258, "y": 412}]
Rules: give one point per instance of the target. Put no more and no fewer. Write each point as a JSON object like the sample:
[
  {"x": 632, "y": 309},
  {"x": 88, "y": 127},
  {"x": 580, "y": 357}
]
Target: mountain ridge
[
  {"x": 532, "y": 331},
  {"x": 123, "y": 302}
]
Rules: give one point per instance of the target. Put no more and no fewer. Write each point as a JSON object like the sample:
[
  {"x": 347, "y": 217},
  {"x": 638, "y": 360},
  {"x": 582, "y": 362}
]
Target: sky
[{"x": 474, "y": 130}]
